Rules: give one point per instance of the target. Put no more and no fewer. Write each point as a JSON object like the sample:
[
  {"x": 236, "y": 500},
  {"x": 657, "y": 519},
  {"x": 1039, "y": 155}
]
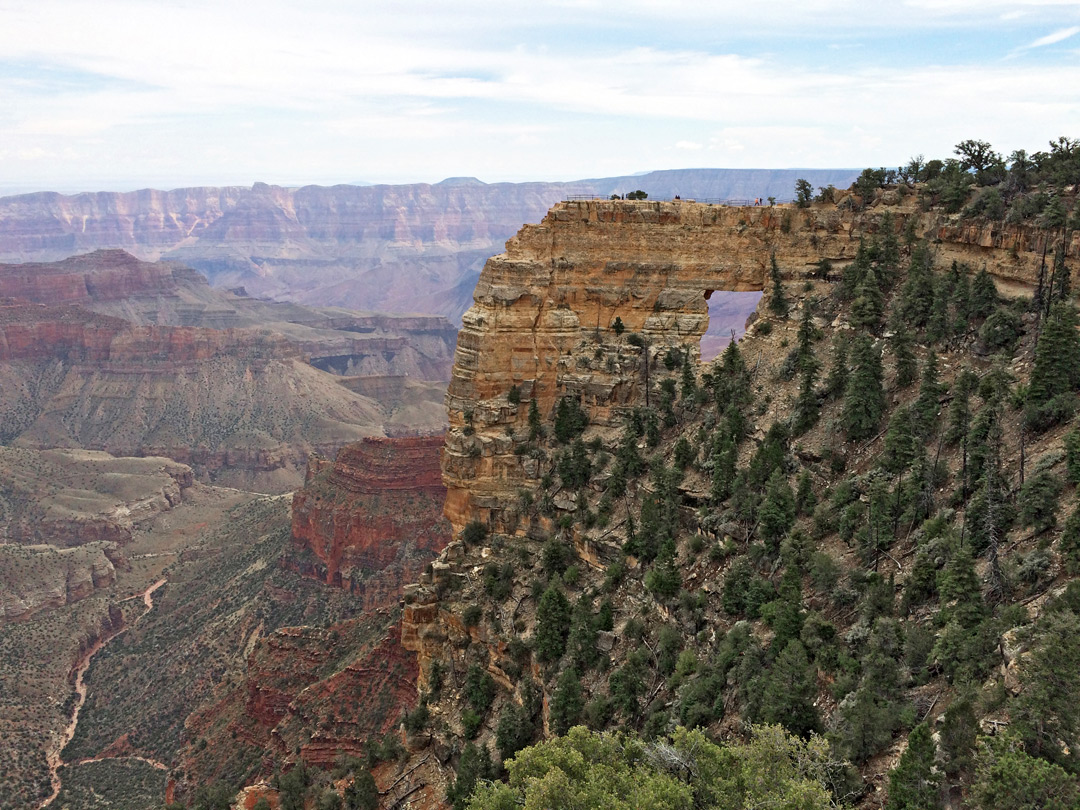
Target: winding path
[{"x": 54, "y": 756}]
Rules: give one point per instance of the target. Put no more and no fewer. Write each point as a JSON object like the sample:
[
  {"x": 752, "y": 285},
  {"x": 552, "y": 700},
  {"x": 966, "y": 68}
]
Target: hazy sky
[{"x": 118, "y": 94}]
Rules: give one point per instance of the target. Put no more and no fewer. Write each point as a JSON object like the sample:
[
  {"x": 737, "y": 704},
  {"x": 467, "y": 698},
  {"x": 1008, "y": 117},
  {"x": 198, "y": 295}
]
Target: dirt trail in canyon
[{"x": 55, "y": 754}]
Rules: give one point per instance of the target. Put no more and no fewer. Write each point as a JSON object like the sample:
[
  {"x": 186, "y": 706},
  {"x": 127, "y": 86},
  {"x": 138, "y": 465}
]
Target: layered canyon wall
[
  {"x": 404, "y": 248},
  {"x": 371, "y": 520}
]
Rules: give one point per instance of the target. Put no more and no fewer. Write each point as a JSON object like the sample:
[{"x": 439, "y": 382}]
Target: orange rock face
[
  {"x": 544, "y": 311},
  {"x": 372, "y": 519}
]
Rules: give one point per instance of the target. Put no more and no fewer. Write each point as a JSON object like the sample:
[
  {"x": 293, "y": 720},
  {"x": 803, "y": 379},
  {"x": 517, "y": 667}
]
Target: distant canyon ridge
[{"x": 388, "y": 248}]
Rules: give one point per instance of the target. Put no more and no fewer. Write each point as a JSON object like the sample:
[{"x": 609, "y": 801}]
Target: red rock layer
[
  {"x": 104, "y": 275},
  {"x": 37, "y": 332},
  {"x": 372, "y": 519}
]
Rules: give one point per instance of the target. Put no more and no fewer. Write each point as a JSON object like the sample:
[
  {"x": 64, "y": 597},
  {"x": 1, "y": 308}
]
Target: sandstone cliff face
[
  {"x": 543, "y": 321},
  {"x": 372, "y": 519},
  {"x": 543, "y": 312}
]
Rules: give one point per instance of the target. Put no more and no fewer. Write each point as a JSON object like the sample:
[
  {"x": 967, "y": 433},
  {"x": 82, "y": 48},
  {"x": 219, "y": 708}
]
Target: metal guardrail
[{"x": 763, "y": 203}]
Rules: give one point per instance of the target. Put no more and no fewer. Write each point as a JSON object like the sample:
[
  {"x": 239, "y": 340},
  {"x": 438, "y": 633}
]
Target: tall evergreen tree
[
  {"x": 906, "y": 364},
  {"x": 1047, "y": 712},
  {"x": 913, "y": 783},
  {"x": 778, "y": 303},
  {"x": 853, "y": 274},
  {"x": 1062, "y": 276},
  {"x": 805, "y": 339},
  {"x": 984, "y": 295},
  {"x": 939, "y": 324},
  {"x": 790, "y": 690},
  {"x": 724, "y": 456},
  {"x": 869, "y": 304},
  {"x": 901, "y": 444},
  {"x": 836, "y": 383},
  {"x": 581, "y": 643},
  {"x": 552, "y": 624},
  {"x": 1057, "y": 357},
  {"x": 917, "y": 296},
  {"x": 930, "y": 393},
  {"x": 567, "y": 703},
  {"x": 864, "y": 397},
  {"x": 777, "y": 512}
]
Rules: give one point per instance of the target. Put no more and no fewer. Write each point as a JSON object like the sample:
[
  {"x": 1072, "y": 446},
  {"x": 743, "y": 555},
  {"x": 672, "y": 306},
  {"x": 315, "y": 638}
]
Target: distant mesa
[{"x": 461, "y": 181}]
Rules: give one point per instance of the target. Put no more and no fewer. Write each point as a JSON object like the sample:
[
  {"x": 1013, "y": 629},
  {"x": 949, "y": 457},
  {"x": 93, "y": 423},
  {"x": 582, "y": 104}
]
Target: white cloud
[
  {"x": 213, "y": 92},
  {"x": 1058, "y": 36}
]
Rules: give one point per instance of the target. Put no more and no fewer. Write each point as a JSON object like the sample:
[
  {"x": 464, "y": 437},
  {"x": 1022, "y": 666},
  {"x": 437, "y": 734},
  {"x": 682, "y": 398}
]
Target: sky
[{"x": 126, "y": 94}]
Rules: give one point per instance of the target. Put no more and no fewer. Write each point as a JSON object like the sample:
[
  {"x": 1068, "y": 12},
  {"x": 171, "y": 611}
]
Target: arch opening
[{"x": 728, "y": 312}]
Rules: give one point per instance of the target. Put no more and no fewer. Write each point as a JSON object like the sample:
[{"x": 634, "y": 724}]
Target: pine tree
[
  {"x": 1057, "y": 357},
  {"x": 805, "y": 339},
  {"x": 363, "y": 793},
  {"x": 664, "y": 580},
  {"x": 724, "y": 456},
  {"x": 1062, "y": 286},
  {"x": 852, "y": 276},
  {"x": 958, "y": 732},
  {"x": 1047, "y": 713},
  {"x": 913, "y": 783},
  {"x": 536, "y": 429},
  {"x": 930, "y": 392},
  {"x": 790, "y": 691},
  {"x": 778, "y": 303},
  {"x": 869, "y": 304},
  {"x": 984, "y": 296},
  {"x": 961, "y": 592},
  {"x": 901, "y": 445},
  {"x": 917, "y": 297},
  {"x": 777, "y": 512},
  {"x": 864, "y": 398},
  {"x": 906, "y": 363},
  {"x": 1039, "y": 501},
  {"x": 959, "y": 421},
  {"x": 567, "y": 702},
  {"x": 473, "y": 767},
  {"x": 836, "y": 383},
  {"x": 1072, "y": 455},
  {"x": 552, "y": 624},
  {"x": 1070, "y": 542},
  {"x": 939, "y": 325},
  {"x": 581, "y": 643},
  {"x": 514, "y": 731},
  {"x": 805, "y": 500}
]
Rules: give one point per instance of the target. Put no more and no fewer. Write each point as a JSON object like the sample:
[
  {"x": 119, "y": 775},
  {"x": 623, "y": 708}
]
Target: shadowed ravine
[{"x": 55, "y": 755}]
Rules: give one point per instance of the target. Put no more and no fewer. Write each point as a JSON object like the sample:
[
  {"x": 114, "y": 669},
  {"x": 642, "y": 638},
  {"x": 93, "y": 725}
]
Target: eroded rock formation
[
  {"x": 372, "y": 519},
  {"x": 544, "y": 312},
  {"x": 37, "y": 578}
]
